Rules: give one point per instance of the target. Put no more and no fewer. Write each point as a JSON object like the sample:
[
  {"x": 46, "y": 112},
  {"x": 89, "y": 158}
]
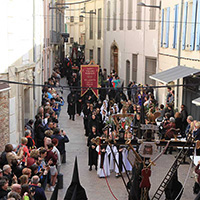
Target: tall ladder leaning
[{"x": 173, "y": 168}]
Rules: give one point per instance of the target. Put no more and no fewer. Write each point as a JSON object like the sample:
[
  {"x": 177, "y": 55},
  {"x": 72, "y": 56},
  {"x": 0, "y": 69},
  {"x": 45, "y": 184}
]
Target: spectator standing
[
  {"x": 39, "y": 192},
  {"x": 168, "y": 94},
  {"x": 62, "y": 139},
  {"x": 3, "y": 188},
  {"x": 12, "y": 156},
  {"x": 29, "y": 126},
  {"x": 134, "y": 92},
  {"x": 184, "y": 115},
  {"x": 7, "y": 172}
]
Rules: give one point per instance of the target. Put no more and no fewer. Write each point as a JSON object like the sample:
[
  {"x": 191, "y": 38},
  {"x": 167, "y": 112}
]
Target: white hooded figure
[
  {"x": 103, "y": 162},
  {"x": 104, "y": 106},
  {"x": 104, "y": 116},
  {"x": 116, "y": 108},
  {"x": 112, "y": 161},
  {"x": 118, "y": 154},
  {"x": 112, "y": 111},
  {"x": 127, "y": 163}
]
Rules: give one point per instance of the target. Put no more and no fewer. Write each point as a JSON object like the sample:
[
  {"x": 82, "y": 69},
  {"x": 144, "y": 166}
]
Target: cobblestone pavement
[{"x": 96, "y": 188}]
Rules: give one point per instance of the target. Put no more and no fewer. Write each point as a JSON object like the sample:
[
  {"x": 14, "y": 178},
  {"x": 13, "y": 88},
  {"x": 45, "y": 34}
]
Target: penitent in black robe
[{"x": 93, "y": 154}]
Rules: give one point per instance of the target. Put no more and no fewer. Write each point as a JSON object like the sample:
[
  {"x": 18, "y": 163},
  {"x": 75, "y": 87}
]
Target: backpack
[
  {"x": 3, "y": 159},
  {"x": 18, "y": 147}
]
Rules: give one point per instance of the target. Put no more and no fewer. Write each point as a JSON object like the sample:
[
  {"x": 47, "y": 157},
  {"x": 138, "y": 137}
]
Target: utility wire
[
  {"x": 73, "y": 3},
  {"x": 117, "y": 19},
  {"x": 103, "y": 88}
]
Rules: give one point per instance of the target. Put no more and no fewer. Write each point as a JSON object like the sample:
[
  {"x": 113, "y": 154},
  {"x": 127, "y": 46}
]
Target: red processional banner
[{"x": 89, "y": 78}]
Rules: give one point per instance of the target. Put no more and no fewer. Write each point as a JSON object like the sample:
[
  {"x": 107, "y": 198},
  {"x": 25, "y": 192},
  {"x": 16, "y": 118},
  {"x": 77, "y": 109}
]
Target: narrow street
[{"x": 96, "y": 188}]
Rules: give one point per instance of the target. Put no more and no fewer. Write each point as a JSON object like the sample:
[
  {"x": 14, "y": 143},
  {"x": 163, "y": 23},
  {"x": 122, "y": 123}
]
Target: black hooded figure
[
  {"x": 75, "y": 191},
  {"x": 173, "y": 189},
  {"x": 92, "y": 153},
  {"x": 71, "y": 100},
  {"x": 54, "y": 195}
]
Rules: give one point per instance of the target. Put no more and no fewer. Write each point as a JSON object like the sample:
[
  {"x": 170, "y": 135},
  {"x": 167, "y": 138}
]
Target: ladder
[{"x": 173, "y": 169}]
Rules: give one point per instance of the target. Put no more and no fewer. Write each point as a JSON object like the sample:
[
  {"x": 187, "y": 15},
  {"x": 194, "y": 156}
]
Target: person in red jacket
[
  {"x": 51, "y": 156},
  {"x": 26, "y": 153}
]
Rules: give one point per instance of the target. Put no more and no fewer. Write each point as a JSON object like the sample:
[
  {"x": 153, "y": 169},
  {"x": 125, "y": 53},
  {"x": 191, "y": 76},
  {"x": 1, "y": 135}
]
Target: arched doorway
[
  {"x": 114, "y": 57},
  {"x": 128, "y": 71}
]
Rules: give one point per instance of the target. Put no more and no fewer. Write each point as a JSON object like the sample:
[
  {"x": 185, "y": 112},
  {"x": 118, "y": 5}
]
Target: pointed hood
[
  {"x": 75, "y": 177},
  {"x": 54, "y": 195},
  {"x": 75, "y": 191},
  {"x": 74, "y": 195}
]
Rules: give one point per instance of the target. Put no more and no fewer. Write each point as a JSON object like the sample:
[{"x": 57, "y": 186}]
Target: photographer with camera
[{"x": 62, "y": 138}]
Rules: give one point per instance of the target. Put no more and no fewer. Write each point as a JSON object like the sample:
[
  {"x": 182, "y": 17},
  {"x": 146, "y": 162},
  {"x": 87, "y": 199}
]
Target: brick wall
[{"x": 4, "y": 119}]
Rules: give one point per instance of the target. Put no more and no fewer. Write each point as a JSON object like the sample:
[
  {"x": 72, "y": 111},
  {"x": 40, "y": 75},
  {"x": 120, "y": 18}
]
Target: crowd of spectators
[{"x": 33, "y": 166}]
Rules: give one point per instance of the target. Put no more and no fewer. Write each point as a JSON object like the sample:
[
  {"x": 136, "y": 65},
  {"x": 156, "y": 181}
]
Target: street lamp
[{"x": 150, "y": 6}]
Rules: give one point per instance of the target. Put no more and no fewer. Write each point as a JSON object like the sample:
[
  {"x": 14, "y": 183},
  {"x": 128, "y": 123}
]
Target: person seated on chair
[
  {"x": 170, "y": 131},
  {"x": 170, "y": 128}
]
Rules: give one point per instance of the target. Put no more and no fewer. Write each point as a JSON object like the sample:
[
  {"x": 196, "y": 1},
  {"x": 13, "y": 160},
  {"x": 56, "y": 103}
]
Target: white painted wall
[
  {"x": 16, "y": 38},
  {"x": 95, "y": 42},
  {"x": 170, "y": 59},
  {"x": 142, "y": 42}
]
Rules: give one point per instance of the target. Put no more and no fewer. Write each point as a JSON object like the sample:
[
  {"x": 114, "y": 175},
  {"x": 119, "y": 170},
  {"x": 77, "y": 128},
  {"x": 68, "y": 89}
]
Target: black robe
[
  {"x": 71, "y": 99},
  {"x": 78, "y": 104},
  {"x": 93, "y": 154},
  {"x": 86, "y": 112},
  {"x": 93, "y": 122}
]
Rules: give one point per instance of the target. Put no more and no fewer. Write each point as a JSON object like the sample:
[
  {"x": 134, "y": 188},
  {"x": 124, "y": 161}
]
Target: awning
[
  {"x": 174, "y": 74},
  {"x": 196, "y": 101}
]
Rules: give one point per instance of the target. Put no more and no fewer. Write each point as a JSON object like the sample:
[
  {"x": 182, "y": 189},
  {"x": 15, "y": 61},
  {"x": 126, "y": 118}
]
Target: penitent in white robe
[
  {"x": 116, "y": 152},
  {"x": 106, "y": 167},
  {"x": 112, "y": 161},
  {"x": 127, "y": 163}
]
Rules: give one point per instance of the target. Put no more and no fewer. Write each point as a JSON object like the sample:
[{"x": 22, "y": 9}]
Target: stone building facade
[{"x": 4, "y": 115}]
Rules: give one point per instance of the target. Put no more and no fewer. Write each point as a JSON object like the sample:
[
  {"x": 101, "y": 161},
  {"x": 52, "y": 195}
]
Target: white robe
[
  {"x": 127, "y": 163},
  {"x": 112, "y": 161},
  {"x": 117, "y": 159},
  {"x": 106, "y": 167}
]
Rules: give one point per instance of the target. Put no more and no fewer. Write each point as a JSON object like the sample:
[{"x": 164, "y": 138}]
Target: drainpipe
[
  {"x": 34, "y": 59},
  {"x": 34, "y": 99},
  {"x": 179, "y": 49}
]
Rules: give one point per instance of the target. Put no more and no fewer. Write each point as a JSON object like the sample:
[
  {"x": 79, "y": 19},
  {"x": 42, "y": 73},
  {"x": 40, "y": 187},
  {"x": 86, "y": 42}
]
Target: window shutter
[
  {"x": 167, "y": 28},
  {"x": 175, "y": 26},
  {"x": 198, "y": 28},
  {"x": 184, "y": 25},
  {"x": 193, "y": 29},
  {"x": 162, "y": 27}
]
